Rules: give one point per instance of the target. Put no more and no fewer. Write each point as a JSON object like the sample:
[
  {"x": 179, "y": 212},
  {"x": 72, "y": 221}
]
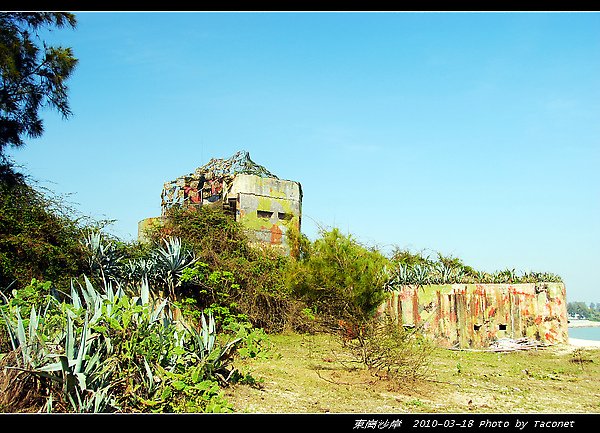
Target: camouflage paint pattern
[
  {"x": 267, "y": 208},
  {"x": 476, "y": 315},
  {"x": 264, "y": 204}
]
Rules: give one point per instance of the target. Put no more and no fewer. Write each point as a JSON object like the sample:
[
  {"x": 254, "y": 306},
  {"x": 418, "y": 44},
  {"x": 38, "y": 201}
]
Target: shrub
[
  {"x": 391, "y": 350},
  {"x": 38, "y": 236},
  {"x": 232, "y": 276},
  {"x": 339, "y": 278},
  {"x": 212, "y": 234},
  {"x": 105, "y": 351}
]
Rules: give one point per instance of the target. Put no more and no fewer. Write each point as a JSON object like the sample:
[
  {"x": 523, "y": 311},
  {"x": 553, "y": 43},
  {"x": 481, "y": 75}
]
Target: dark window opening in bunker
[
  {"x": 284, "y": 216},
  {"x": 476, "y": 327},
  {"x": 501, "y": 327},
  {"x": 230, "y": 207},
  {"x": 264, "y": 214}
]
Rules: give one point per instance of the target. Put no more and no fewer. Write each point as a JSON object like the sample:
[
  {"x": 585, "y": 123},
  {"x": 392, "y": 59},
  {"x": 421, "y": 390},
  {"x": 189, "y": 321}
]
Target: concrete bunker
[
  {"x": 264, "y": 204},
  {"x": 478, "y": 315}
]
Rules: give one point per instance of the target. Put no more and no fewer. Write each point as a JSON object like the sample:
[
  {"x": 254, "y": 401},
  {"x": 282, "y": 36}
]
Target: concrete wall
[
  {"x": 267, "y": 207},
  {"x": 475, "y": 315},
  {"x": 266, "y": 187},
  {"x": 264, "y": 204},
  {"x": 145, "y": 225}
]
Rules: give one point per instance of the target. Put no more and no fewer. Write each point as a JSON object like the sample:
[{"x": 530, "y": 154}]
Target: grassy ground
[{"x": 315, "y": 374}]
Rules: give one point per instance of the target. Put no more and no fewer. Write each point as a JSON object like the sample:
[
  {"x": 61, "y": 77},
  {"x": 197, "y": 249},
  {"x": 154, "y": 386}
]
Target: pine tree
[{"x": 32, "y": 74}]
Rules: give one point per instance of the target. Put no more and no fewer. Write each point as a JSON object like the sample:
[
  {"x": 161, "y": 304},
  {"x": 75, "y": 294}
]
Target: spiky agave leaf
[
  {"x": 33, "y": 324},
  {"x": 11, "y": 328},
  {"x": 83, "y": 346},
  {"x": 171, "y": 259},
  {"x": 145, "y": 291},
  {"x": 22, "y": 338},
  {"x": 75, "y": 299}
]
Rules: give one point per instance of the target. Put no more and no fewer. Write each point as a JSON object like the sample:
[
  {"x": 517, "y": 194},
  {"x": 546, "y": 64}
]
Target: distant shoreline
[{"x": 573, "y": 323}]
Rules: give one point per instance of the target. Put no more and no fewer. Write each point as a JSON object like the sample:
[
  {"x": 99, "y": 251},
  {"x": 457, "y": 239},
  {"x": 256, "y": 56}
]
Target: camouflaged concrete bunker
[
  {"x": 477, "y": 315},
  {"x": 264, "y": 204}
]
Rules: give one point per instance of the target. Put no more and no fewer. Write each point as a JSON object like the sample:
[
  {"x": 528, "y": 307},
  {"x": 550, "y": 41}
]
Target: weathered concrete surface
[
  {"x": 145, "y": 225},
  {"x": 267, "y": 208},
  {"x": 475, "y": 315},
  {"x": 264, "y": 204},
  {"x": 266, "y": 186}
]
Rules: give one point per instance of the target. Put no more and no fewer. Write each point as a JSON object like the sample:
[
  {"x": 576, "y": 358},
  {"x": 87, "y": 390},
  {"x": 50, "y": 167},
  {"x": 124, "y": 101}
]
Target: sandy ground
[
  {"x": 577, "y": 342},
  {"x": 574, "y": 323}
]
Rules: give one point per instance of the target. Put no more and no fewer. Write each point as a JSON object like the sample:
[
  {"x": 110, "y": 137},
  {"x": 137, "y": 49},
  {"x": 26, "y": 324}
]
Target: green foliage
[
  {"x": 418, "y": 270},
  {"x": 406, "y": 257},
  {"x": 31, "y": 296},
  {"x": 104, "y": 350},
  {"x": 212, "y": 291},
  {"x": 309, "y": 313},
  {"x": 212, "y": 234},
  {"x": 255, "y": 341},
  {"x": 339, "y": 277},
  {"x": 33, "y": 74},
  {"x": 187, "y": 393},
  {"x": 583, "y": 311},
  {"x": 232, "y": 278},
  {"x": 415, "y": 402},
  {"x": 298, "y": 241},
  {"x": 39, "y": 237}
]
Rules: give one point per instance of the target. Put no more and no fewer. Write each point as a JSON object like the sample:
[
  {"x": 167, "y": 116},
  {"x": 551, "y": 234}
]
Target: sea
[{"x": 589, "y": 333}]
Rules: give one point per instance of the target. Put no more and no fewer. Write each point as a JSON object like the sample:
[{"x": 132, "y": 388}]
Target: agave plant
[
  {"x": 101, "y": 334},
  {"x": 204, "y": 345},
  {"x": 400, "y": 277},
  {"x": 39, "y": 347},
  {"x": 93, "y": 300},
  {"x": 136, "y": 270},
  {"x": 102, "y": 255},
  {"x": 77, "y": 371},
  {"x": 445, "y": 272},
  {"x": 540, "y": 277},
  {"x": 506, "y": 276},
  {"x": 551, "y": 278},
  {"x": 421, "y": 275},
  {"x": 171, "y": 259},
  {"x": 25, "y": 339},
  {"x": 74, "y": 357}
]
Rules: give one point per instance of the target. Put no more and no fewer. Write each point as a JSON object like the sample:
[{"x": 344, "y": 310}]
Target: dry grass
[
  {"x": 19, "y": 390},
  {"x": 315, "y": 374}
]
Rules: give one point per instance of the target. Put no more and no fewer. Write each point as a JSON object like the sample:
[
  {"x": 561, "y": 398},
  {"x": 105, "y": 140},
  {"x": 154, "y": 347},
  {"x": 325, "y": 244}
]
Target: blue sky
[{"x": 471, "y": 134}]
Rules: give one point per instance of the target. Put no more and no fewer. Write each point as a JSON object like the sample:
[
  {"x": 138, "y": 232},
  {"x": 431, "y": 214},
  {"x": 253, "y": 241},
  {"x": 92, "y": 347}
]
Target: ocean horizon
[{"x": 585, "y": 333}]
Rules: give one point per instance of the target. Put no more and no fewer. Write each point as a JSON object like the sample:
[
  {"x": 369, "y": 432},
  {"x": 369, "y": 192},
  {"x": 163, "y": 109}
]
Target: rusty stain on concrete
[
  {"x": 476, "y": 315},
  {"x": 264, "y": 204}
]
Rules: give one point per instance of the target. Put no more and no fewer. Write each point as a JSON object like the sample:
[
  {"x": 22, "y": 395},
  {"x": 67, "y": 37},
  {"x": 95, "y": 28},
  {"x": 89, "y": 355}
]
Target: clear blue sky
[{"x": 471, "y": 134}]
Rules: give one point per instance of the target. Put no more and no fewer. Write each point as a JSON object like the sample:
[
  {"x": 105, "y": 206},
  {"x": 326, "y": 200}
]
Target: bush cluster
[
  {"x": 231, "y": 272},
  {"x": 339, "y": 278},
  {"x": 105, "y": 350},
  {"x": 39, "y": 237},
  {"x": 416, "y": 269}
]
